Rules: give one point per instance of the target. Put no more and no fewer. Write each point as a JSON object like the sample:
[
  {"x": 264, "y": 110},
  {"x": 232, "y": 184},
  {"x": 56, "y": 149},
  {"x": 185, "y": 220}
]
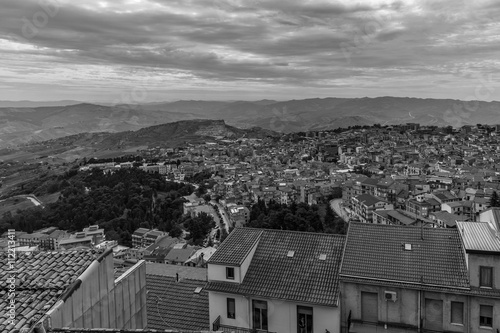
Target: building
[
  {"x": 76, "y": 240},
  {"x": 143, "y": 237},
  {"x": 239, "y": 215},
  {"x": 253, "y": 281},
  {"x": 365, "y": 204},
  {"x": 177, "y": 298},
  {"x": 414, "y": 279},
  {"x": 482, "y": 249},
  {"x": 73, "y": 289},
  {"x": 96, "y": 233}
]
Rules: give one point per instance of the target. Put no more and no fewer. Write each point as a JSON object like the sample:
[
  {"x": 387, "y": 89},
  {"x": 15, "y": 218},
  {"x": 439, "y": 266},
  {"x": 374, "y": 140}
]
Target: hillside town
[{"x": 420, "y": 205}]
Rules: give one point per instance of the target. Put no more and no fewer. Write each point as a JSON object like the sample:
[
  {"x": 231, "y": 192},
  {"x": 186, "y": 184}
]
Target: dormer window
[{"x": 230, "y": 273}]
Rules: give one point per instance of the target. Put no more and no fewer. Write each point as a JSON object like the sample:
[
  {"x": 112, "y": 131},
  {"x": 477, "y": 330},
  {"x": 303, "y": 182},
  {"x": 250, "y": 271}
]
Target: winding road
[{"x": 336, "y": 205}]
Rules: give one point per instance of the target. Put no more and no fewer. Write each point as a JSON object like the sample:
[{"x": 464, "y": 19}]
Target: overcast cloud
[{"x": 248, "y": 49}]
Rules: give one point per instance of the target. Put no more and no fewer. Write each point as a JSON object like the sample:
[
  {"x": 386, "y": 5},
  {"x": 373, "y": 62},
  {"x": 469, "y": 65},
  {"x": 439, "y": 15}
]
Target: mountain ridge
[{"x": 22, "y": 125}]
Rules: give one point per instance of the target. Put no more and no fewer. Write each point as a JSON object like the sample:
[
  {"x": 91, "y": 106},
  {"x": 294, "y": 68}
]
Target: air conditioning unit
[{"x": 391, "y": 296}]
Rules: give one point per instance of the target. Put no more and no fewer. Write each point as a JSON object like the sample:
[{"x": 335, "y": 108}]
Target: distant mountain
[
  {"x": 31, "y": 104},
  {"x": 19, "y": 125}
]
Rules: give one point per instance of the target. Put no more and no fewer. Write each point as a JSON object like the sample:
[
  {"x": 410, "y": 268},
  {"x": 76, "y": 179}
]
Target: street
[{"x": 336, "y": 205}]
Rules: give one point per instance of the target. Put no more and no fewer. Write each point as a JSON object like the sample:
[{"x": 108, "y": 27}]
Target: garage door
[
  {"x": 433, "y": 314},
  {"x": 369, "y": 307}
]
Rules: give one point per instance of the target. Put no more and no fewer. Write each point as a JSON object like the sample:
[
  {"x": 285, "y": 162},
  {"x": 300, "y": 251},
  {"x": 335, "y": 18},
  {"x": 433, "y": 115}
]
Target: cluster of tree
[
  {"x": 495, "y": 200},
  {"x": 119, "y": 202},
  {"x": 121, "y": 159},
  {"x": 200, "y": 177},
  {"x": 298, "y": 217}
]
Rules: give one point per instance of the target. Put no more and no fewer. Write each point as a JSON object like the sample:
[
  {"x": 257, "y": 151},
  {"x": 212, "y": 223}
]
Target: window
[
  {"x": 485, "y": 315},
  {"x": 231, "y": 308},
  {"x": 486, "y": 276},
  {"x": 230, "y": 273},
  {"x": 304, "y": 319},
  {"x": 457, "y": 313},
  {"x": 259, "y": 310}
]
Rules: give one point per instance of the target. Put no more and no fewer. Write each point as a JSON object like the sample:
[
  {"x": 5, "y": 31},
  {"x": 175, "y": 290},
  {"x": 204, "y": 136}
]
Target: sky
[{"x": 135, "y": 51}]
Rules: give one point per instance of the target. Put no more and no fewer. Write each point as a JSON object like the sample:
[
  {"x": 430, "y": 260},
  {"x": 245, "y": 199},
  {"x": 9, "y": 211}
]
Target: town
[{"x": 418, "y": 249}]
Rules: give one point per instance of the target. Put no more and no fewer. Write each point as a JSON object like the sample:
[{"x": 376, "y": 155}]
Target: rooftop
[
  {"x": 175, "y": 305},
  {"x": 236, "y": 247},
  {"x": 42, "y": 277},
  {"x": 478, "y": 236},
  {"x": 303, "y": 277},
  {"x": 377, "y": 252}
]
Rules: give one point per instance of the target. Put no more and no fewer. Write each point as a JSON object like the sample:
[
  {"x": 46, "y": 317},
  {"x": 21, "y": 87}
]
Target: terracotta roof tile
[
  {"x": 302, "y": 278},
  {"x": 236, "y": 247},
  {"x": 37, "y": 288},
  {"x": 175, "y": 305},
  {"x": 378, "y": 252}
]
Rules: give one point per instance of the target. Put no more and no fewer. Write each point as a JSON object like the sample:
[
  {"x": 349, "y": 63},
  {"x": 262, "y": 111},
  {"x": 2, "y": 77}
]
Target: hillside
[
  {"x": 23, "y": 125},
  {"x": 103, "y": 144}
]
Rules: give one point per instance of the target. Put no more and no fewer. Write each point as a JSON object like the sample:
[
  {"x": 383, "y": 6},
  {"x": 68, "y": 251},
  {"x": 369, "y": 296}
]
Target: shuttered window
[
  {"x": 485, "y": 315},
  {"x": 457, "y": 313},
  {"x": 369, "y": 307},
  {"x": 433, "y": 314}
]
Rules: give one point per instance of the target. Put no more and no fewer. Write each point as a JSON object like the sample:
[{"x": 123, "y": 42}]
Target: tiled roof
[
  {"x": 236, "y": 247},
  {"x": 368, "y": 199},
  {"x": 175, "y": 305},
  {"x": 41, "y": 278},
  {"x": 478, "y": 236},
  {"x": 114, "y": 330},
  {"x": 185, "y": 272},
  {"x": 378, "y": 252},
  {"x": 301, "y": 278}
]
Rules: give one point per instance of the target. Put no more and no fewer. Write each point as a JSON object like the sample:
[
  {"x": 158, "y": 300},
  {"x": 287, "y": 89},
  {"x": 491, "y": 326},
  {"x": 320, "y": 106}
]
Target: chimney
[{"x": 177, "y": 277}]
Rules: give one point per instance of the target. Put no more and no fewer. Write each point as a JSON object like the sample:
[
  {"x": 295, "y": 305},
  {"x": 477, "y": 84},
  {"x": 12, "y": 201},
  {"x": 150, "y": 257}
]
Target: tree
[
  {"x": 199, "y": 226},
  {"x": 495, "y": 200},
  {"x": 175, "y": 232}
]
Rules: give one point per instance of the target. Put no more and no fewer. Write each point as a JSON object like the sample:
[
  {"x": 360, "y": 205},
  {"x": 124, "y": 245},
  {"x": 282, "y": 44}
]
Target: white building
[{"x": 276, "y": 281}]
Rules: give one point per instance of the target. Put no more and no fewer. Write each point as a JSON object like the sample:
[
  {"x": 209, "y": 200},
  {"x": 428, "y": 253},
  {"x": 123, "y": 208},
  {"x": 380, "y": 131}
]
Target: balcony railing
[{"x": 217, "y": 326}]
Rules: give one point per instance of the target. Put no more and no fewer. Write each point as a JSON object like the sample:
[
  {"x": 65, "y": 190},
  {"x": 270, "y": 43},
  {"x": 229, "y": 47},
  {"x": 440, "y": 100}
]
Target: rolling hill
[{"x": 35, "y": 124}]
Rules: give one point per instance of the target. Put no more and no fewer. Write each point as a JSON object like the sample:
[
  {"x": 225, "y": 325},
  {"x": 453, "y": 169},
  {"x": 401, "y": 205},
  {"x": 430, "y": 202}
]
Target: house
[
  {"x": 402, "y": 278},
  {"x": 364, "y": 205},
  {"x": 482, "y": 249},
  {"x": 445, "y": 219},
  {"x": 177, "y": 298},
  {"x": 254, "y": 279},
  {"x": 72, "y": 289}
]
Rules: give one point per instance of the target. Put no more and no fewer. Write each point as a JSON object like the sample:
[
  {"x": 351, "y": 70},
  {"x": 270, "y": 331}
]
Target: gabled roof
[
  {"x": 377, "y": 252},
  {"x": 302, "y": 277},
  {"x": 368, "y": 199},
  {"x": 236, "y": 247},
  {"x": 478, "y": 237},
  {"x": 175, "y": 305},
  {"x": 42, "y": 277}
]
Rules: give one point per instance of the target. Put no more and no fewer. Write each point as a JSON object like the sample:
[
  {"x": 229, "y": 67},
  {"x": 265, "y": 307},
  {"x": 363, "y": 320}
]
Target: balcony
[{"x": 217, "y": 326}]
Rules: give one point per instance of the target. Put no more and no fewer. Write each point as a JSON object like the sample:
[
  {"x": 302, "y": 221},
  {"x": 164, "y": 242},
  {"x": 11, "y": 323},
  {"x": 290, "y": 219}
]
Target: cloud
[{"x": 275, "y": 45}]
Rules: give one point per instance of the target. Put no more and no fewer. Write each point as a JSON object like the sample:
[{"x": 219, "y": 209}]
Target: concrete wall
[
  {"x": 218, "y": 273},
  {"x": 477, "y": 260},
  {"x": 405, "y": 310},
  {"x": 96, "y": 300},
  {"x": 476, "y": 302},
  {"x": 282, "y": 315},
  {"x": 246, "y": 263}
]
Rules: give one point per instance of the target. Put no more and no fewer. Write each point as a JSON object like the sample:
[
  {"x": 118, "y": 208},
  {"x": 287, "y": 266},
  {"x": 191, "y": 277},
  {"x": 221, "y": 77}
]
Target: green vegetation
[
  {"x": 119, "y": 202},
  {"x": 494, "y": 201},
  {"x": 298, "y": 217}
]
